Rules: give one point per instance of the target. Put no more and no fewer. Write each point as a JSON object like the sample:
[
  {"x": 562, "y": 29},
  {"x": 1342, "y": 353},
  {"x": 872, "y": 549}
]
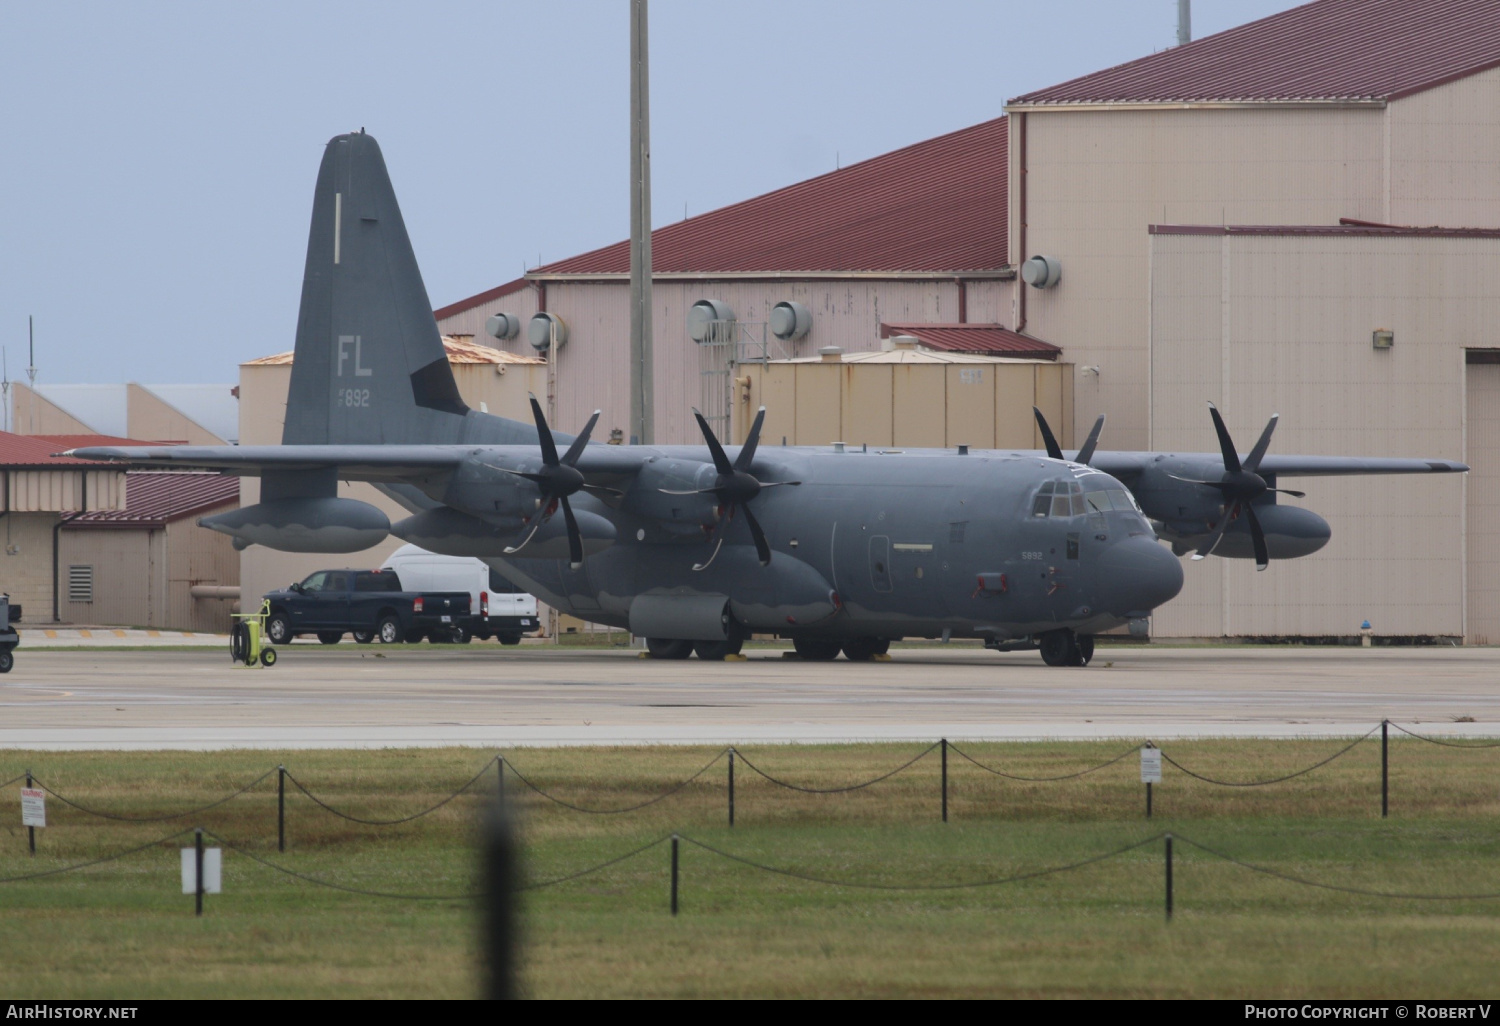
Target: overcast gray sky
[{"x": 158, "y": 159}]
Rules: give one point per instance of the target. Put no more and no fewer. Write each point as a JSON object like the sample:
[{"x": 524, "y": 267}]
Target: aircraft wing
[
  {"x": 1126, "y": 465},
  {"x": 354, "y": 462}
]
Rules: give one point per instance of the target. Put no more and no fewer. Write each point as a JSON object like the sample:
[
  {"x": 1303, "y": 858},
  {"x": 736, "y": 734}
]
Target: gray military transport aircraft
[{"x": 695, "y": 548}]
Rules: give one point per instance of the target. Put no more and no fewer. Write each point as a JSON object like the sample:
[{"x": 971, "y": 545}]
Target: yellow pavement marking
[
  {"x": 50, "y": 634},
  {"x": 153, "y": 634},
  {"x": 118, "y": 633},
  {"x": 85, "y": 634}
]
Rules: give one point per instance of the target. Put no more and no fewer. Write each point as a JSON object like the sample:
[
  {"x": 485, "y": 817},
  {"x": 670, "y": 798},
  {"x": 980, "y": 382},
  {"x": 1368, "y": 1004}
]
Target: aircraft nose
[{"x": 1139, "y": 575}]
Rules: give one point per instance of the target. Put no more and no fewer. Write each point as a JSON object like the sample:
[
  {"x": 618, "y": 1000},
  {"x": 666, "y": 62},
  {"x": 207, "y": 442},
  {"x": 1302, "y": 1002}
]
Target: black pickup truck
[{"x": 367, "y": 603}]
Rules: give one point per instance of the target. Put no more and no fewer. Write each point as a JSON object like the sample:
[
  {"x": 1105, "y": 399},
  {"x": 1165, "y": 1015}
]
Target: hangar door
[{"x": 1483, "y": 514}]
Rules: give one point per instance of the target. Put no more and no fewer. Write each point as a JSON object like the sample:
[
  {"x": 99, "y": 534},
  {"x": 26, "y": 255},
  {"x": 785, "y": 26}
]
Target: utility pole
[
  {"x": 31, "y": 372},
  {"x": 1184, "y": 21},
  {"x": 641, "y": 384}
]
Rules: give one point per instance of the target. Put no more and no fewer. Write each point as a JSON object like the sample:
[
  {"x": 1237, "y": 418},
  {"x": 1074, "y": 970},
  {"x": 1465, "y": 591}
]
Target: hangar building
[{"x": 1232, "y": 220}]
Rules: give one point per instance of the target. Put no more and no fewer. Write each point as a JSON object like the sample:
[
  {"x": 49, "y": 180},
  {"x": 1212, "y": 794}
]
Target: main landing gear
[{"x": 1064, "y": 648}]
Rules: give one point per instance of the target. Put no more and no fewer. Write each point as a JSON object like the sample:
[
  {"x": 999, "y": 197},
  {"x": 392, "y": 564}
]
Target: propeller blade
[
  {"x": 1226, "y": 444},
  {"x": 777, "y": 484},
  {"x": 544, "y": 434},
  {"x": 575, "y": 540},
  {"x": 1257, "y": 538},
  {"x": 1091, "y": 443},
  {"x": 752, "y": 441},
  {"x": 1212, "y": 542},
  {"x": 1196, "y": 481},
  {"x": 1252, "y": 462},
  {"x": 613, "y": 493},
  {"x": 721, "y": 461},
  {"x": 1053, "y": 449},
  {"x": 693, "y": 491},
  {"x": 576, "y": 449},
  {"x": 762, "y": 548},
  {"x": 538, "y": 479},
  {"x": 1288, "y": 491}
]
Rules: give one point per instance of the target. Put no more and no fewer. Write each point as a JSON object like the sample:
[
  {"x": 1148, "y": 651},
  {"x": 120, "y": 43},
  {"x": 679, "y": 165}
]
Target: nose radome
[{"x": 1139, "y": 575}]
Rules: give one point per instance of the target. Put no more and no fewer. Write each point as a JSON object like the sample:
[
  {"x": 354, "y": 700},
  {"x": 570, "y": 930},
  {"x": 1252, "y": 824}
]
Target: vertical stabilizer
[{"x": 370, "y": 367}]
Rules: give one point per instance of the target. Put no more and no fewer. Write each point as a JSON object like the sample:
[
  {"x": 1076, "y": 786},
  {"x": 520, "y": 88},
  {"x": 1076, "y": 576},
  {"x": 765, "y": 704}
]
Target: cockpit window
[
  {"x": 1058, "y": 499},
  {"x": 1104, "y": 499}
]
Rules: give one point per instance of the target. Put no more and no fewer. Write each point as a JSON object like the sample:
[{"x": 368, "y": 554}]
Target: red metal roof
[
  {"x": 938, "y": 205},
  {"x": 37, "y": 450},
  {"x": 991, "y": 339},
  {"x": 483, "y": 297},
  {"x": 153, "y": 498},
  {"x": 1348, "y": 50}
]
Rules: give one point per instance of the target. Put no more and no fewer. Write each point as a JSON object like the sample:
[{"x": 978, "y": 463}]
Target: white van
[{"x": 499, "y": 610}]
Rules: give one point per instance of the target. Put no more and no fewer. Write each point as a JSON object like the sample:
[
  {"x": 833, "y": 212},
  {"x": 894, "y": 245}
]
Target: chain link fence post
[
  {"x": 674, "y": 874},
  {"x": 1169, "y": 878},
  {"x": 944, "y": 744},
  {"x": 731, "y": 787},
  {"x": 281, "y": 808},
  {"x": 1385, "y": 769},
  {"x": 30, "y": 831}
]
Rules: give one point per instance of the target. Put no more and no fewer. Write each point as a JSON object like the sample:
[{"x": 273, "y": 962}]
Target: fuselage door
[{"x": 880, "y": 563}]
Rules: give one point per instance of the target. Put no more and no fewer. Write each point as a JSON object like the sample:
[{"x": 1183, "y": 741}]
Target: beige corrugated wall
[
  {"x": 1282, "y": 324},
  {"x": 1483, "y": 428}
]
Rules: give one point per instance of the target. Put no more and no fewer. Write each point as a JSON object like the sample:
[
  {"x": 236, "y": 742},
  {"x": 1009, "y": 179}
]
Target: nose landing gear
[{"x": 1064, "y": 648}]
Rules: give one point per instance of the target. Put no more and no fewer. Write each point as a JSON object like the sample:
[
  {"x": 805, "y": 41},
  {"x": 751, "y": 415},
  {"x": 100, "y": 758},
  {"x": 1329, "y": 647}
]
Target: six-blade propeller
[
  {"x": 735, "y": 486},
  {"x": 1241, "y": 484},
  {"x": 1055, "y": 451},
  {"x": 558, "y": 479}
]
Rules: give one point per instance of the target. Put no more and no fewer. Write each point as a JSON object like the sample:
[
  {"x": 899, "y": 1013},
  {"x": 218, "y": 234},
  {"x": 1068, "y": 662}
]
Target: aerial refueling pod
[
  {"x": 303, "y": 525},
  {"x": 450, "y": 532}
]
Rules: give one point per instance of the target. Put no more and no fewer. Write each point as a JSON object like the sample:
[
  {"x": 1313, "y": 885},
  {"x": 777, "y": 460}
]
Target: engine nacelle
[
  {"x": 484, "y": 489},
  {"x": 1291, "y": 531},
  {"x": 674, "y": 512},
  {"x": 303, "y": 525}
]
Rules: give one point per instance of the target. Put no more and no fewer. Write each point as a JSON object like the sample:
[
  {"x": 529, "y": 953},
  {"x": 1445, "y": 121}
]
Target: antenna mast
[{"x": 31, "y": 370}]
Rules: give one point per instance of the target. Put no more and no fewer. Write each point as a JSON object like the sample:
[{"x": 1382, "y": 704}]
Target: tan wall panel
[
  {"x": 41, "y": 491},
  {"x": 920, "y": 406},
  {"x": 127, "y": 579},
  {"x": 819, "y": 410},
  {"x": 1483, "y": 501},
  {"x": 26, "y": 563},
  {"x": 1015, "y": 394},
  {"x": 866, "y": 404},
  {"x": 34, "y": 414},
  {"x": 196, "y": 556},
  {"x": 774, "y": 386},
  {"x": 1054, "y": 397},
  {"x": 971, "y": 405},
  {"x": 1095, "y": 180},
  {"x": 1445, "y": 150},
  {"x": 1396, "y": 555},
  {"x": 151, "y": 419}
]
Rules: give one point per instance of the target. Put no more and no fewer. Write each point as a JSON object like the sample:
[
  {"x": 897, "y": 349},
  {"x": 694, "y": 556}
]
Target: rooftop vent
[
  {"x": 710, "y": 321},
  {"x": 503, "y": 326},
  {"x": 831, "y": 354},
  {"x": 542, "y": 328},
  {"x": 790, "y": 321},
  {"x": 900, "y": 342},
  {"x": 1041, "y": 272}
]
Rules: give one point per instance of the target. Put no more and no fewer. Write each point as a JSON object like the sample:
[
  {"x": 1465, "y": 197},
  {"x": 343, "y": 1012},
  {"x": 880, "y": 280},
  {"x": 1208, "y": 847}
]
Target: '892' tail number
[{"x": 353, "y": 397}]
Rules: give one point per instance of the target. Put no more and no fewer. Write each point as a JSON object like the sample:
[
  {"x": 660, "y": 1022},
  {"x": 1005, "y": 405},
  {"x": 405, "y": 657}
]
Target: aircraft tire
[
  {"x": 1057, "y": 648},
  {"x": 1083, "y": 650},
  {"x": 669, "y": 648},
  {"x": 816, "y": 650},
  {"x": 718, "y": 651},
  {"x": 862, "y": 650}
]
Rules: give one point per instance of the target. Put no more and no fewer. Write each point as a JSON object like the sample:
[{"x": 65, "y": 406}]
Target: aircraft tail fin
[{"x": 369, "y": 366}]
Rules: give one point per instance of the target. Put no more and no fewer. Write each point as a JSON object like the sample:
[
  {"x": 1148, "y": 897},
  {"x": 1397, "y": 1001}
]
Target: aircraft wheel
[
  {"x": 362, "y": 637},
  {"x": 717, "y": 651},
  {"x": 668, "y": 648},
  {"x": 268, "y": 657},
  {"x": 6, "y": 662},
  {"x": 279, "y": 629},
  {"x": 1083, "y": 650},
  {"x": 862, "y": 650},
  {"x": 1057, "y": 648},
  {"x": 330, "y": 637},
  {"x": 388, "y": 630},
  {"x": 815, "y": 650}
]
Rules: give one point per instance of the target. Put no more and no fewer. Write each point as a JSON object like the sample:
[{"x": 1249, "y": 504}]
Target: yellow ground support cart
[{"x": 247, "y": 639}]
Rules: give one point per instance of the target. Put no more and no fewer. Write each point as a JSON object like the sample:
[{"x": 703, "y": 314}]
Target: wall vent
[{"x": 80, "y": 583}]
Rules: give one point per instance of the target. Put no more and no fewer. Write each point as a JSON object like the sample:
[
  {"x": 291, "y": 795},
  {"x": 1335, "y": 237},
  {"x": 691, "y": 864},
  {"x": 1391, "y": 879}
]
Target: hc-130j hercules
[{"x": 696, "y": 547}]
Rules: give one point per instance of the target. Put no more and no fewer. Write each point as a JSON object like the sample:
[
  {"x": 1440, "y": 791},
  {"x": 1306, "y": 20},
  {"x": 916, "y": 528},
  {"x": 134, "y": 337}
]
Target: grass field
[{"x": 123, "y": 929}]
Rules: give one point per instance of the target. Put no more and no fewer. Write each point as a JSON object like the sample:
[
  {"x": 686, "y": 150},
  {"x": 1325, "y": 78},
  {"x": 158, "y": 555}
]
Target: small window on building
[{"x": 80, "y": 583}]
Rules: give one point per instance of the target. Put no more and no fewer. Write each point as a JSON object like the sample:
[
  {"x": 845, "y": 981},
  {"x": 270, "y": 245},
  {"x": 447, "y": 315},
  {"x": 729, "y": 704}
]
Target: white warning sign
[
  {"x": 1150, "y": 765},
  {"x": 213, "y": 870},
  {"x": 33, "y": 807}
]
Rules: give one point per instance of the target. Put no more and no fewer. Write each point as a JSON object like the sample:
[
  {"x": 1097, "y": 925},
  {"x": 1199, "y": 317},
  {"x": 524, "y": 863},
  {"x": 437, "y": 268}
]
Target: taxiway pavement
[{"x": 487, "y": 696}]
